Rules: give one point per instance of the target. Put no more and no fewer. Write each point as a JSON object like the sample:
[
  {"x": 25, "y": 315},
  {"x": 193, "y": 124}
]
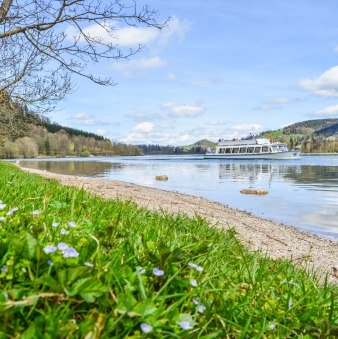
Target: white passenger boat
[{"x": 251, "y": 149}]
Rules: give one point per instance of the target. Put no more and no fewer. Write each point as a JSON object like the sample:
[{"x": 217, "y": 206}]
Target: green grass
[{"x": 240, "y": 294}]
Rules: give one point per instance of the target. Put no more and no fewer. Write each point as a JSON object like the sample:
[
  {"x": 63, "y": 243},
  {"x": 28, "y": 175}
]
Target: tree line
[
  {"x": 39, "y": 142},
  {"x": 158, "y": 149}
]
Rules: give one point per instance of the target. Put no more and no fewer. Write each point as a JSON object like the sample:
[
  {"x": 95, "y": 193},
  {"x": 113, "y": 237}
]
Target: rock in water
[
  {"x": 161, "y": 177},
  {"x": 257, "y": 192}
]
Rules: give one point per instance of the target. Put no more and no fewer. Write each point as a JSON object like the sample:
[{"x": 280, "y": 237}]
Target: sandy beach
[{"x": 272, "y": 239}]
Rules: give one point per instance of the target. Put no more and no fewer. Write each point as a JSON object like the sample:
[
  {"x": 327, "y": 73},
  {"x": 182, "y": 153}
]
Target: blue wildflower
[
  {"x": 157, "y": 272},
  {"x": 50, "y": 249}
]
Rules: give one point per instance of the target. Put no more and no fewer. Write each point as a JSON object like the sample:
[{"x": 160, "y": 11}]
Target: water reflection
[
  {"x": 85, "y": 168},
  {"x": 327, "y": 175},
  {"x": 303, "y": 174},
  {"x": 253, "y": 171}
]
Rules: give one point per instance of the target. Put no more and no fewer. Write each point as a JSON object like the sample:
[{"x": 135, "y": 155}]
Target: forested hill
[
  {"x": 26, "y": 134},
  {"x": 328, "y": 131},
  {"x": 325, "y": 127},
  {"x": 55, "y": 127},
  {"x": 19, "y": 118},
  {"x": 314, "y": 136}
]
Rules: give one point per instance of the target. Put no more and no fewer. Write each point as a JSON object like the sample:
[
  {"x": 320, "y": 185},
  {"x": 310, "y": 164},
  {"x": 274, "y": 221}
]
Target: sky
[{"x": 221, "y": 69}]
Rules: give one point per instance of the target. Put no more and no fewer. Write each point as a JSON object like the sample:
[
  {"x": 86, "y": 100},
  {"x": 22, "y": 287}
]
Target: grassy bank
[{"x": 75, "y": 265}]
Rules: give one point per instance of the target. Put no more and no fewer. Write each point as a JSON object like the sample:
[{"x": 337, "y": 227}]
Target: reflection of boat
[
  {"x": 255, "y": 170},
  {"x": 251, "y": 149}
]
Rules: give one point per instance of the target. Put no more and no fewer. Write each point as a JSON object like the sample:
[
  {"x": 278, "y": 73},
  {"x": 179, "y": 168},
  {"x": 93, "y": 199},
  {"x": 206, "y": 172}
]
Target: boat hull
[{"x": 271, "y": 155}]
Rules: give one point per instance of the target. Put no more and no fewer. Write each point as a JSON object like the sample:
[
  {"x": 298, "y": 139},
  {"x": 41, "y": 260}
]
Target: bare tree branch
[{"x": 43, "y": 43}]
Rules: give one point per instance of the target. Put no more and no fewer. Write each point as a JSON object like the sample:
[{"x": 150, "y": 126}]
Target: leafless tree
[{"x": 39, "y": 55}]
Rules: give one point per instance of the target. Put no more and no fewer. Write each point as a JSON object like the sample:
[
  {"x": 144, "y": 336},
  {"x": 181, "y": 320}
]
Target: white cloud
[
  {"x": 330, "y": 111},
  {"x": 144, "y": 127},
  {"x": 130, "y": 36},
  {"x": 161, "y": 138},
  {"x": 100, "y": 131},
  {"x": 191, "y": 110},
  {"x": 170, "y": 77},
  {"x": 166, "y": 135},
  {"x": 127, "y": 36},
  {"x": 143, "y": 63},
  {"x": 84, "y": 119},
  {"x": 325, "y": 85},
  {"x": 176, "y": 27},
  {"x": 273, "y": 104},
  {"x": 247, "y": 128}
]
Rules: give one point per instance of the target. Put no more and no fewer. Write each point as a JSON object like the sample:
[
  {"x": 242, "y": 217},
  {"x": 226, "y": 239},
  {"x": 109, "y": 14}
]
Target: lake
[{"x": 302, "y": 193}]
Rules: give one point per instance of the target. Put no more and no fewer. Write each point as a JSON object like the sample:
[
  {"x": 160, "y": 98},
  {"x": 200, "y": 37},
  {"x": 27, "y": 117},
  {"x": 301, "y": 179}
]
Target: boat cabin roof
[{"x": 260, "y": 141}]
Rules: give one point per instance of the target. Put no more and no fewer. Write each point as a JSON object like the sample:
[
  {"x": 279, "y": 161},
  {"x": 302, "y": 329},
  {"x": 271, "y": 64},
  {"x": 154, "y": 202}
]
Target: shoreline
[{"x": 270, "y": 238}]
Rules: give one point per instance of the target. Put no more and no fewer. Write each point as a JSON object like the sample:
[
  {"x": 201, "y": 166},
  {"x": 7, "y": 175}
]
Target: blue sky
[{"x": 220, "y": 69}]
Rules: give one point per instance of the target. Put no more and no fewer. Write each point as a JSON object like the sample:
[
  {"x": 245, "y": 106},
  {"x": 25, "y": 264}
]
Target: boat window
[
  {"x": 274, "y": 149},
  {"x": 235, "y": 150},
  {"x": 265, "y": 149},
  {"x": 228, "y": 150},
  {"x": 242, "y": 150},
  {"x": 258, "y": 149},
  {"x": 221, "y": 150},
  {"x": 250, "y": 149},
  {"x": 281, "y": 148}
]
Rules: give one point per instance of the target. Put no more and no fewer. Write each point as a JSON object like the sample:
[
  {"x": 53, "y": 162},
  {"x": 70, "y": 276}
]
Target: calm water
[{"x": 302, "y": 193}]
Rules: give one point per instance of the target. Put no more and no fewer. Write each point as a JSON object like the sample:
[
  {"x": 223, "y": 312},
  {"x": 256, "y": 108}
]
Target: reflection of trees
[
  {"x": 71, "y": 167},
  {"x": 313, "y": 174}
]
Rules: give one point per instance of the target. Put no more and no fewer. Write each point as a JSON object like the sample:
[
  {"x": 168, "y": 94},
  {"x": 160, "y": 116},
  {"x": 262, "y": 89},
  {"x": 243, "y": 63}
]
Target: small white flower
[
  {"x": 195, "y": 266},
  {"x": 290, "y": 303},
  {"x": 9, "y": 182},
  {"x": 195, "y": 301},
  {"x": 185, "y": 325},
  {"x": 145, "y": 328},
  {"x": 63, "y": 231},
  {"x": 36, "y": 212},
  {"x": 50, "y": 249},
  {"x": 62, "y": 246},
  {"x": 55, "y": 224},
  {"x": 88, "y": 264},
  {"x": 2, "y": 219},
  {"x": 72, "y": 224},
  {"x": 3, "y": 268},
  {"x": 193, "y": 282},
  {"x": 70, "y": 253},
  {"x": 2, "y": 206},
  {"x": 11, "y": 211},
  {"x": 201, "y": 308},
  {"x": 272, "y": 326},
  {"x": 158, "y": 272}
]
